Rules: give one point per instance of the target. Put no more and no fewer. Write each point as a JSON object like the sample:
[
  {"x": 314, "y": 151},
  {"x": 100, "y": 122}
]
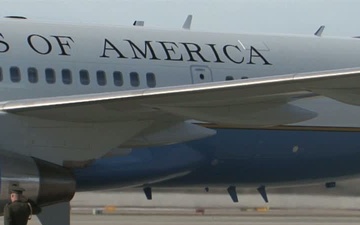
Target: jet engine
[{"x": 44, "y": 183}]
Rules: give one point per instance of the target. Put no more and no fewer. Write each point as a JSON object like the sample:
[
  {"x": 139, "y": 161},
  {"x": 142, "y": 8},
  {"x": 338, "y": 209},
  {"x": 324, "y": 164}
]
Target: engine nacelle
[{"x": 44, "y": 183}]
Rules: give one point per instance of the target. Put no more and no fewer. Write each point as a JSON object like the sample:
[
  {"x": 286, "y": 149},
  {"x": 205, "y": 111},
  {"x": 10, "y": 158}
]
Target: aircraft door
[{"x": 201, "y": 74}]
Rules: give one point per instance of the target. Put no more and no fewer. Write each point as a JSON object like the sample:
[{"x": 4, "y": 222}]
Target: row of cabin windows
[{"x": 66, "y": 77}]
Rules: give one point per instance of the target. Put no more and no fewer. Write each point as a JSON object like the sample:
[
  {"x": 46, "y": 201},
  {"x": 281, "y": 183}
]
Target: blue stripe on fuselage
[{"x": 236, "y": 157}]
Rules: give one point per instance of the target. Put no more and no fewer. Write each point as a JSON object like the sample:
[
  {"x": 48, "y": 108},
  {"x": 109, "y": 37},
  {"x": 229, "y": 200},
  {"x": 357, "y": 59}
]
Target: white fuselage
[
  {"x": 172, "y": 57},
  {"x": 45, "y": 60}
]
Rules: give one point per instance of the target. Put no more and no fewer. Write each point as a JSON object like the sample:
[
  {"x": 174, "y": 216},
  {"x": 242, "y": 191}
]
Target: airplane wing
[{"x": 261, "y": 101}]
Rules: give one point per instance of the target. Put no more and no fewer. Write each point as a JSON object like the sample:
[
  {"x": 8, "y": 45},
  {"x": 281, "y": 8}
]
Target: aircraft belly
[
  {"x": 140, "y": 167},
  {"x": 241, "y": 157},
  {"x": 250, "y": 158}
]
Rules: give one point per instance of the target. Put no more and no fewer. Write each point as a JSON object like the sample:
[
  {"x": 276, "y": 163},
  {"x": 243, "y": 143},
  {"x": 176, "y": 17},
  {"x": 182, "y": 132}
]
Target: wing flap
[
  {"x": 349, "y": 96},
  {"x": 253, "y": 115}
]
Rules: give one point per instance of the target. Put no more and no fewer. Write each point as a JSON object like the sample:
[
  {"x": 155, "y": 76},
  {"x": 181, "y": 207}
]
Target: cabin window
[
  {"x": 1, "y": 74},
  {"x": 101, "y": 77},
  {"x": 134, "y": 79},
  {"x": 33, "y": 75},
  {"x": 15, "y": 75},
  {"x": 229, "y": 78},
  {"x": 150, "y": 80},
  {"x": 50, "y": 76},
  {"x": 66, "y": 76},
  {"x": 84, "y": 77},
  {"x": 118, "y": 78}
]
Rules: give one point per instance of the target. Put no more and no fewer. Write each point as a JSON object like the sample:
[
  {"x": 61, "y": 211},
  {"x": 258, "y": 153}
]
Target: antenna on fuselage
[
  {"x": 139, "y": 23},
  {"x": 148, "y": 193},
  {"x": 187, "y": 23},
  {"x": 262, "y": 191},
  {"x": 16, "y": 17},
  {"x": 233, "y": 194},
  {"x": 319, "y": 31}
]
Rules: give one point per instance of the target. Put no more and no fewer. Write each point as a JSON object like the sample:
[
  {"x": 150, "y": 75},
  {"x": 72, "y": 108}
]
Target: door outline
[{"x": 197, "y": 72}]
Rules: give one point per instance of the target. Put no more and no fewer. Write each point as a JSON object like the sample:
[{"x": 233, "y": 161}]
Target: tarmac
[
  {"x": 215, "y": 209},
  {"x": 210, "y": 200},
  {"x": 264, "y": 219}
]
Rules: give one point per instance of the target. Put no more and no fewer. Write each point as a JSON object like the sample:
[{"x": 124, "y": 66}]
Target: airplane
[
  {"x": 71, "y": 94},
  {"x": 234, "y": 159}
]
